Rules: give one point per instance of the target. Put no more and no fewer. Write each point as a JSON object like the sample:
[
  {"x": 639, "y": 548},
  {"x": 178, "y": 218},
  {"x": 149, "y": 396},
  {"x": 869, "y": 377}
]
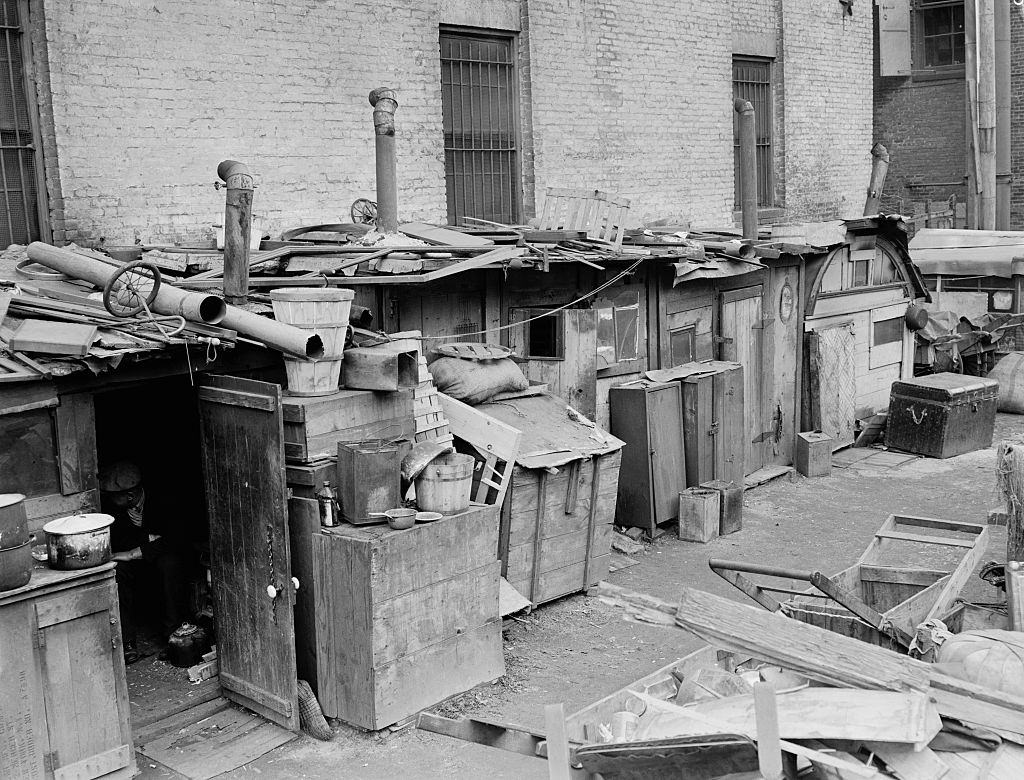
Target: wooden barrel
[{"x": 445, "y": 485}]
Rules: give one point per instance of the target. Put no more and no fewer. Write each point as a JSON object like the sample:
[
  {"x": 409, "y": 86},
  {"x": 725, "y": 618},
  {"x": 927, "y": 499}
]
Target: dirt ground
[{"x": 577, "y": 649}]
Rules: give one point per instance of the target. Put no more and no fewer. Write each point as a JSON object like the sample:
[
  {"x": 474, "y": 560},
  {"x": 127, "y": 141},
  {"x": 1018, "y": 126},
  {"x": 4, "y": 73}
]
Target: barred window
[
  {"x": 479, "y": 93},
  {"x": 752, "y": 81},
  {"x": 940, "y": 33}
]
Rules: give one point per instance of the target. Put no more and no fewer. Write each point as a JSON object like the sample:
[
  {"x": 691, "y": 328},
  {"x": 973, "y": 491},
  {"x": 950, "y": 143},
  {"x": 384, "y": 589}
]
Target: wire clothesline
[{"x": 596, "y": 291}]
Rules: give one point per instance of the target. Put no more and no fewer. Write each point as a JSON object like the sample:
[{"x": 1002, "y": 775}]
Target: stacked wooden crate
[
  {"x": 431, "y": 422},
  {"x": 405, "y": 619}
]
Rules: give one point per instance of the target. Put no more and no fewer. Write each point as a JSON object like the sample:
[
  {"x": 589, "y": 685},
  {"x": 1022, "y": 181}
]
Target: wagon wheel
[
  {"x": 131, "y": 289},
  {"x": 364, "y": 212}
]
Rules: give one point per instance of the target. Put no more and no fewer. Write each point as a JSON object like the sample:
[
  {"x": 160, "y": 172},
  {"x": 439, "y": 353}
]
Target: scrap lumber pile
[{"x": 869, "y": 712}]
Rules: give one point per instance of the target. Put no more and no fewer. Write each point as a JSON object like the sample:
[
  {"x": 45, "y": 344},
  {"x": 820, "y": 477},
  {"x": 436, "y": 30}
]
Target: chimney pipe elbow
[
  {"x": 235, "y": 174},
  {"x": 741, "y": 106},
  {"x": 879, "y": 152},
  {"x": 385, "y": 102}
]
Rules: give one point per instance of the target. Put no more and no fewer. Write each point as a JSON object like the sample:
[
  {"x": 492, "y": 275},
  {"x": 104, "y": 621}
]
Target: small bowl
[
  {"x": 428, "y": 517},
  {"x": 400, "y": 519}
]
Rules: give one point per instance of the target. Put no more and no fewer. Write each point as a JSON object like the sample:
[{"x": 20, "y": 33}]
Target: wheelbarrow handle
[{"x": 757, "y": 568}]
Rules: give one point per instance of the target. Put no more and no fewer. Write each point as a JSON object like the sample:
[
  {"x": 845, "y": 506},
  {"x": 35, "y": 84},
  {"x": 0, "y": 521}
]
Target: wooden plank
[
  {"x": 900, "y": 575},
  {"x": 838, "y": 660},
  {"x": 98, "y": 765},
  {"x": 433, "y": 234},
  {"x": 766, "y": 729},
  {"x": 944, "y": 541},
  {"x": 74, "y": 604},
  {"x": 43, "y": 508},
  {"x": 908, "y": 762},
  {"x": 22, "y": 709},
  {"x": 569, "y": 579},
  {"x": 525, "y": 497},
  {"x": 76, "y": 443},
  {"x": 834, "y": 713},
  {"x": 303, "y": 524},
  {"x": 557, "y": 742},
  {"x": 235, "y": 398},
  {"x": 27, "y": 396},
  {"x": 558, "y": 551}
]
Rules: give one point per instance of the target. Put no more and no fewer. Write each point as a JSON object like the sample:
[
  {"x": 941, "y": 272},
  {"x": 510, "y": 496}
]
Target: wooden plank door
[
  {"x": 242, "y": 430},
  {"x": 742, "y": 330},
  {"x": 833, "y": 380},
  {"x": 668, "y": 461},
  {"x": 83, "y": 683}
]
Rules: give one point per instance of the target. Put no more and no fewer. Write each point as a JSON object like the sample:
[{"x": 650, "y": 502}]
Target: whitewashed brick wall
[{"x": 148, "y": 96}]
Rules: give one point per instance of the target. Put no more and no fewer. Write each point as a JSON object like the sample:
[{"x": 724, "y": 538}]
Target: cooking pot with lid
[{"x": 78, "y": 542}]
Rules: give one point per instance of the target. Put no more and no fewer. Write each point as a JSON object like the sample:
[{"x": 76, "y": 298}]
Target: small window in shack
[
  {"x": 540, "y": 335},
  {"x": 683, "y": 345},
  {"x": 618, "y": 328},
  {"x": 28, "y": 459}
]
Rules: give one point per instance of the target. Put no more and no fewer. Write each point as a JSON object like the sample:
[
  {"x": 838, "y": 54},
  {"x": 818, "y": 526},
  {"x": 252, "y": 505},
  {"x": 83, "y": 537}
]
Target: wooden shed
[
  {"x": 556, "y": 522},
  {"x": 856, "y": 335}
]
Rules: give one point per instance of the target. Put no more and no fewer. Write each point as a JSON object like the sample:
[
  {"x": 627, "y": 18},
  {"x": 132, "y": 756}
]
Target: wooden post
[
  {"x": 766, "y": 718},
  {"x": 879, "y": 168},
  {"x": 987, "y": 112},
  {"x": 385, "y": 103},
  {"x": 1015, "y": 595},
  {"x": 237, "y": 229},
  {"x": 748, "y": 166},
  {"x": 558, "y": 742},
  {"x": 1010, "y": 479}
]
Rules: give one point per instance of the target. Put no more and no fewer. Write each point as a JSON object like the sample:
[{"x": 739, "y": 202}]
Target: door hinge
[
  {"x": 721, "y": 339},
  {"x": 39, "y": 639},
  {"x": 50, "y": 761},
  {"x": 713, "y": 428}
]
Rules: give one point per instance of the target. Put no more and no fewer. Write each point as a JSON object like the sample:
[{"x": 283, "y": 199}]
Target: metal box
[{"x": 942, "y": 415}]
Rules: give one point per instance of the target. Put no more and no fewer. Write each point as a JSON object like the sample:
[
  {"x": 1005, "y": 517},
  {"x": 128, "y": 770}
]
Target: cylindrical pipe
[
  {"x": 237, "y": 229},
  {"x": 986, "y": 14},
  {"x": 730, "y": 249},
  {"x": 276, "y": 335},
  {"x": 1004, "y": 175},
  {"x": 193, "y": 306},
  {"x": 971, "y": 114},
  {"x": 879, "y": 168},
  {"x": 748, "y": 166},
  {"x": 385, "y": 103}
]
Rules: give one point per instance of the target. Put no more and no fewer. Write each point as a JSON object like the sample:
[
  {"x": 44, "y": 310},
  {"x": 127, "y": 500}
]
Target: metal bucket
[
  {"x": 13, "y": 521},
  {"x": 16, "y": 566},
  {"x": 445, "y": 485}
]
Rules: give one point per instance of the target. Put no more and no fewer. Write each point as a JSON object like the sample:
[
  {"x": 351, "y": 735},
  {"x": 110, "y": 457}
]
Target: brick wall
[
  {"x": 1017, "y": 118},
  {"x": 922, "y": 125},
  {"x": 633, "y": 98},
  {"x": 828, "y": 109}
]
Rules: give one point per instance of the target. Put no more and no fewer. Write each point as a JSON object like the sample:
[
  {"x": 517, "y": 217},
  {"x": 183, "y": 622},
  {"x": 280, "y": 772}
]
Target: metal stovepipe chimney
[{"x": 385, "y": 102}]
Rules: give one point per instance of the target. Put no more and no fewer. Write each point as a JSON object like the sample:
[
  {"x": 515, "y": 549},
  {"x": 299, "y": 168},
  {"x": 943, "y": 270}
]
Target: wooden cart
[{"x": 913, "y": 570}]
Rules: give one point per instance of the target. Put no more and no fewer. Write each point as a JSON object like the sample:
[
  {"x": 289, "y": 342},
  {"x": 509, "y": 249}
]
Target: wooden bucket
[
  {"x": 444, "y": 486},
  {"x": 312, "y": 377},
  {"x": 312, "y": 307}
]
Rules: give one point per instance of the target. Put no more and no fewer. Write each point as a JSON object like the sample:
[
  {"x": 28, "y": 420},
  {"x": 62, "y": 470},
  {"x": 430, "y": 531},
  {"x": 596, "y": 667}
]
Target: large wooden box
[
  {"x": 942, "y": 415},
  {"x": 314, "y": 426},
  {"x": 63, "y": 696},
  {"x": 648, "y": 417},
  {"x": 405, "y": 619},
  {"x": 556, "y": 529}
]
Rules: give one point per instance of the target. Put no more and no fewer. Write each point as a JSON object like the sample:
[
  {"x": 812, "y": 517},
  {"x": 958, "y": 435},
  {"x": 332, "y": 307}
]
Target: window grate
[
  {"x": 19, "y": 219},
  {"x": 478, "y": 100},
  {"x": 752, "y": 80}
]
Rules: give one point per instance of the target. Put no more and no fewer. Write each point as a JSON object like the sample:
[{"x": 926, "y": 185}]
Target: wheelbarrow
[{"x": 913, "y": 570}]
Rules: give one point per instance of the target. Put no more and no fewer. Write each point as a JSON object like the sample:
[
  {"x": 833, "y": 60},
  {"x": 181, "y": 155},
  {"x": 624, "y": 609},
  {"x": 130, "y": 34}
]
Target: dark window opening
[
  {"x": 542, "y": 334},
  {"x": 479, "y": 92},
  {"x": 683, "y": 345},
  {"x": 752, "y": 81},
  {"x": 940, "y": 33},
  {"x": 888, "y": 331}
]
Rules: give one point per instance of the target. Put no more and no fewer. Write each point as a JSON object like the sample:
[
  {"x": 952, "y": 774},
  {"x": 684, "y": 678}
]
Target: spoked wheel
[
  {"x": 364, "y": 212},
  {"x": 132, "y": 289}
]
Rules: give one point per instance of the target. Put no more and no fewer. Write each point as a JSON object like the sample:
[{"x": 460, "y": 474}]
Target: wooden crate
[
  {"x": 314, "y": 426},
  {"x": 304, "y": 479},
  {"x": 557, "y": 528},
  {"x": 405, "y": 619},
  {"x": 63, "y": 697}
]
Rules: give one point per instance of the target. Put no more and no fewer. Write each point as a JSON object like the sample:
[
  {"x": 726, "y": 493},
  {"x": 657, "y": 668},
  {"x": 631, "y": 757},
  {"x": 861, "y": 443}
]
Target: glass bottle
[{"x": 328, "y": 501}]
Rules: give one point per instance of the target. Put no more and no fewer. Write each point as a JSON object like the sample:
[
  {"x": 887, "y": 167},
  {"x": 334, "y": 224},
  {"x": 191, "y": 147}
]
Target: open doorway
[{"x": 148, "y": 443}]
